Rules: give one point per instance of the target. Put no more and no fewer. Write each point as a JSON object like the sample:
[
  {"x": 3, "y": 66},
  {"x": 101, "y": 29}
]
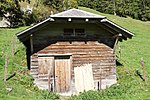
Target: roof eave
[
  {"x": 79, "y": 17},
  {"x": 123, "y": 30},
  {"x": 34, "y": 26}
]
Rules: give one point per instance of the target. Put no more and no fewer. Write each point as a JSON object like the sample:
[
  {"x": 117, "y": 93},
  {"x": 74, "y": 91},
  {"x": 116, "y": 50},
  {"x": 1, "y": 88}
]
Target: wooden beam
[
  {"x": 31, "y": 43},
  {"x": 116, "y": 42},
  {"x": 107, "y": 28},
  {"x": 13, "y": 46},
  {"x": 5, "y": 69},
  {"x": 124, "y": 36},
  {"x": 144, "y": 70},
  {"x": 49, "y": 82},
  {"x": 115, "y": 36}
]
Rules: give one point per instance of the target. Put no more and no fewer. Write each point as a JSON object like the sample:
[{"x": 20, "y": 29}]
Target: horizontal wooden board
[
  {"x": 78, "y": 51},
  {"x": 34, "y": 67},
  {"x": 77, "y": 47},
  {"x": 93, "y": 52}
]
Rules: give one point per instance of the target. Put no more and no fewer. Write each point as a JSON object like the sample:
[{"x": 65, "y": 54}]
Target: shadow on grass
[
  {"x": 11, "y": 76},
  {"x": 118, "y": 63}
]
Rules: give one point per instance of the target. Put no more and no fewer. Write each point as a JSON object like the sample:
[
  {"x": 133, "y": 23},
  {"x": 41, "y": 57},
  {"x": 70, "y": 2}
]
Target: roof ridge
[{"x": 77, "y": 13}]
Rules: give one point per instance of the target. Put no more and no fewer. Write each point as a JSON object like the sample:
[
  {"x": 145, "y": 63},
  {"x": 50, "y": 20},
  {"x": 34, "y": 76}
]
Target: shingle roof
[{"x": 76, "y": 13}]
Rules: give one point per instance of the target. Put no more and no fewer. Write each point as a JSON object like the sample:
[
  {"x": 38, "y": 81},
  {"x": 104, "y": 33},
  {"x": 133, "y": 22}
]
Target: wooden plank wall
[
  {"x": 99, "y": 55},
  {"x": 63, "y": 76},
  {"x": 34, "y": 71},
  {"x": 96, "y": 48}
]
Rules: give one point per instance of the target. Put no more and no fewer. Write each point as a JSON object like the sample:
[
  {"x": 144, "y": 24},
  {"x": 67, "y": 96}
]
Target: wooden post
[
  {"x": 5, "y": 68},
  {"x": 49, "y": 85},
  {"x": 116, "y": 42},
  {"x": 31, "y": 43},
  {"x": 100, "y": 80},
  {"x": 144, "y": 70},
  {"x": 100, "y": 85},
  {"x": 13, "y": 46}
]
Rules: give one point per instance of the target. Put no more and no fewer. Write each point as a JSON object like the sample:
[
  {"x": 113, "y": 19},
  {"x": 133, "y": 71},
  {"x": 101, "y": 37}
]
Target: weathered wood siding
[
  {"x": 100, "y": 55},
  {"x": 62, "y": 74},
  {"x": 95, "y": 49}
]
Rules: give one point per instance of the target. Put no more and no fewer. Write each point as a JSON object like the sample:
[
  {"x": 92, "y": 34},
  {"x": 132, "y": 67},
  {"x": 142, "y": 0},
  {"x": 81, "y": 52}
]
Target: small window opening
[
  {"x": 68, "y": 32},
  {"x": 74, "y": 32},
  {"x": 79, "y": 32}
]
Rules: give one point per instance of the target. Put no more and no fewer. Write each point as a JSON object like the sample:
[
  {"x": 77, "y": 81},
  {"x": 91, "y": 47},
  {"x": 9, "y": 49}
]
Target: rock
[{"x": 9, "y": 89}]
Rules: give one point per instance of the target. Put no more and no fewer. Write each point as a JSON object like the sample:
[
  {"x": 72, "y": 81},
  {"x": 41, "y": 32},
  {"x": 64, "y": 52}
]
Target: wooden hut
[{"x": 71, "y": 50}]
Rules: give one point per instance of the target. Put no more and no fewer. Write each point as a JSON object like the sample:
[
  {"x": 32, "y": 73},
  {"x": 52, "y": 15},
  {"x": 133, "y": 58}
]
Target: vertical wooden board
[
  {"x": 31, "y": 43},
  {"x": 42, "y": 62},
  {"x": 81, "y": 79},
  {"x": 87, "y": 78},
  {"x": 78, "y": 79},
  {"x": 57, "y": 76},
  {"x": 91, "y": 77},
  {"x": 45, "y": 68},
  {"x": 62, "y": 67},
  {"x": 89, "y": 83},
  {"x": 50, "y": 65},
  {"x": 68, "y": 74},
  {"x": 84, "y": 78},
  {"x": 63, "y": 76},
  {"x": 45, "y": 64}
]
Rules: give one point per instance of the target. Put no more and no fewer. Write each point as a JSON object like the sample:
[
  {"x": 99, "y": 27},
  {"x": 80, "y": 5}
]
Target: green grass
[
  {"x": 132, "y": 49},
  {"x": 130, "y": 86},
  {"x": 22, "y": 83}
]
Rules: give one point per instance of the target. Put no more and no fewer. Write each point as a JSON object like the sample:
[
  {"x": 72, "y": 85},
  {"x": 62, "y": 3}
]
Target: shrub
[
  {"x": 49, "y": 95},
  {"x": 41, "y": 12}
]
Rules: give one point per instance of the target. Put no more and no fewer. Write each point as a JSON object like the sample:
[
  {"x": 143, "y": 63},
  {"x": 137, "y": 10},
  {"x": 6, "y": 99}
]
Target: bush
[
  {"x": 28, "y": 19},
  {"x": 137, "y": 9},
  {"x": 49, "y": 95},
  {"x": 41, "y": 12}
]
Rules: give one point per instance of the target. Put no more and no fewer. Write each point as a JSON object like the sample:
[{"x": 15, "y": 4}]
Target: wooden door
[
  {"x": 46, "y": 65},
  {"x": 62, "y": 73},
  {"x": 46, "y": 71}
]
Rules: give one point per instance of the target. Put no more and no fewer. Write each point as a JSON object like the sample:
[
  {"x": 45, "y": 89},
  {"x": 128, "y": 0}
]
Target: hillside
[
  {"x": 138, "y": 46},
  {"x": 129, "y": 86}
]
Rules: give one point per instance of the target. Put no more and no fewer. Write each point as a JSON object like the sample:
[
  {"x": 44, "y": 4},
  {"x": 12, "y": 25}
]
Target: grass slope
[
  {"x": 132, "y": 49},
  {"x": 21, "y": 84},
  {"x": 130, "y": 86}
]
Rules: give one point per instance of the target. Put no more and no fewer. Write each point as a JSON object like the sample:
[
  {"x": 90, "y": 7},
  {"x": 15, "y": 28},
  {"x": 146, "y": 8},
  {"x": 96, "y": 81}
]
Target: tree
[
  {"x": 114, "y": 3},
  {"x": 137, "y": 9},
  {"x": 61, "y": 5},
  {"x": 10, "y": 10},
  {"x": 68, "y": 4},
  {"x": 41, "y": 12},
  {"x": 55, "y": 5}
]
